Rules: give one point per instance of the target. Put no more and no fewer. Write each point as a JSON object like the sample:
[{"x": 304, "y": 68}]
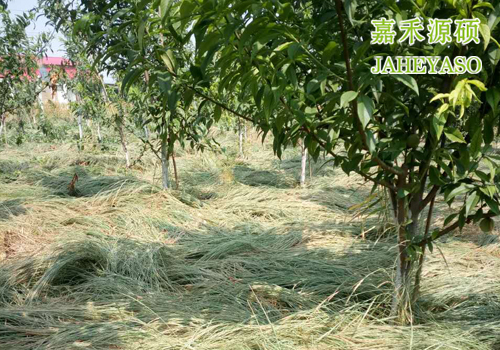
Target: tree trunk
[
  {"x": 146, "y": 132},
  {"x": 175, "y": 171},
  {"x": 240, "y": 134},
  {"x": 164, "y": 163},
  {"x": 4, "y": 127},
  {"x": 99, "y": 136},
  {"x": 310, "y": 166},
  {"x": 303, "y": 165},
  {"x": 80, "y": 127},
  {"x": 123, "y": 141},
  {"x": 1, "y": 125},
  {"x": 421, "y": 260},
  {"x": 40, "y": 104},
  {"x": 401, "y": 303}
]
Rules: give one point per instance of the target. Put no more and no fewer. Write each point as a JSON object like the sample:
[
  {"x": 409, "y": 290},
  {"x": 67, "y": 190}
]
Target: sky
[{"x": 17, "y": 7}]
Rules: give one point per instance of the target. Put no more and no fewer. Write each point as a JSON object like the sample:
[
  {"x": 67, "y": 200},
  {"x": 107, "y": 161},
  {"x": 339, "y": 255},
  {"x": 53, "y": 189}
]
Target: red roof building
[{"x": 46, "y": 65}]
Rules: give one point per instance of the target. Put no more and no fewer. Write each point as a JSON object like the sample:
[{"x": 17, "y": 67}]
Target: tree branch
[
  {"x": 354, "y": 109},
  {"x": 449, "y": 229}
]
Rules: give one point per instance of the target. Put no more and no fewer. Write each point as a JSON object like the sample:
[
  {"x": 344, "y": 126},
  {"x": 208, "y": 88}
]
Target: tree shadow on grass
[
  {"x": 338, "y": 198},
  {"x": 87, "y": 185},
  {"x": 292, "y": 167},
  {"x": 11, "y": 208},
  {"x": 11, "y": 170},
  {"x": 103, "y": 290},
  {"x": 267, "y": 178},
  {"x": 214, "y": 276}
]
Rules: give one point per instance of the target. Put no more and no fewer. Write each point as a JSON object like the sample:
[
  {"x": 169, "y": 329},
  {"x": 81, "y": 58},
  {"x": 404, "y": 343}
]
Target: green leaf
[
  {"x": 329, "y": 51},
  {"x": 169, "y": 59},
  {"x": 313, "y": 85},
  {"x": 435, "y": 177},
  {"x": 478, "y": 83},
  {"x": 293, "y": 50},
  {"x": 440, "y": 96},
  {"x": 292, "y": 75},
  {"x": 350, "y": 9},
  {"x": 476, "y": 143},
  {"x": 196, "y": 73},
  {"x": 140, "y": 34},
  {"x": 438, "y": 123},
  {"x": 471, "y": 202},
  {"x": 186, "y": 11},
  {"x": 130, "y": 78},
  {"x": 217, "y": 113},
  {"x": 493, "y": 205},
  {"x": 164, "y": 5},
  {"x": 493, "y": 98},
  {"x": 454, "y": 135},
  {"x": 407, "y": 80},
  {"x": 449, "y": 219},
  {"x": 484, "y": 4},
  {"x": 456, "y": 192},
  {"x": 365, "y": 109},
  {"x": 370, "y": 140},
  {"x": 269, "y": 102},
  {"x": 494, "y": 18},
  {"x": 283, "y": 46},
  {"x": 444, "y": 107},
  {"x": 431, "y": 246},
  {"x": 347, "y": 97},
  {"x": 250, "y": 30}
]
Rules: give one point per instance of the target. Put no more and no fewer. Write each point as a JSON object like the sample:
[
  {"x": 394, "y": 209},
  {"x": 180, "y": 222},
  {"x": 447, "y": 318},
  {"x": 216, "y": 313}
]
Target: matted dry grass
[{"x": 239, "y": 258}]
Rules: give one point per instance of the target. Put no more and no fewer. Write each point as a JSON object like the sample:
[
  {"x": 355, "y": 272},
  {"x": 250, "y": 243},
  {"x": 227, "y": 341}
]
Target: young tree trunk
[
  {"x": 146, "y": 132},
  {"x": 40, "y": 105},
  {"x": 421, "y": 260},
  {"x": 119, "y": 125},
  {"x": 99, "y": 136},
  {"x": 303, "y": 165},
  {"x": 175, "y": 171},
  {"x": 80, "y": 126},
  {"x": 310, "y": 166},
  {"x": 3, "y": 127},
  {"x": 164, "y": 163},
  {"x": 240, "y": 142},
  {"x": 407, "y": 210},
  {"x": 245, "y": 128},
  {"x": 401, "y": 300}
]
